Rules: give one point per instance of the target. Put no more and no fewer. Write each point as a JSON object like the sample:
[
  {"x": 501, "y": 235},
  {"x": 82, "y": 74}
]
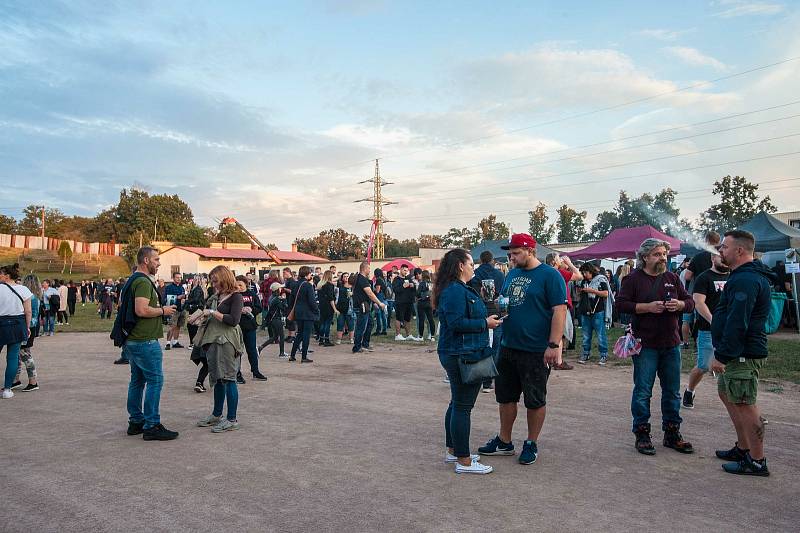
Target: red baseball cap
[{"x": 520, "y": 240}]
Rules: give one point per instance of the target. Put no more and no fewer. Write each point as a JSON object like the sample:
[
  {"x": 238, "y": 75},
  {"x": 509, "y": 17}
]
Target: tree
[
  {"x": 103, "y": 227},
  {"x": 431, "y": 241},
  {"x": 489, "y": 229},
  {"x": 31, "y": 222},
  {"x": 658, "y": 211},
  {"x": 571, "y": 224},
  {"x": 231, "y": 233},
  {"x": 158, "y": 216},
  {"x": 461, "y": 238},
  {"x": 72, "y": 228},
  {"x": 737, "y": 204},
  {"x": 7, "y": 224},
  {"x": 396, "y": 248},
  {"x": 65, "y": 253},
  {"x": 190, "y": 235},
  {"x": 335, "y": 244},
  {"x": 538, "y": 227}
]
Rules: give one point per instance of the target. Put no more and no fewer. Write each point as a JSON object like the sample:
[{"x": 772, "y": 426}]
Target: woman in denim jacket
[{"x": 464, "y": 329}]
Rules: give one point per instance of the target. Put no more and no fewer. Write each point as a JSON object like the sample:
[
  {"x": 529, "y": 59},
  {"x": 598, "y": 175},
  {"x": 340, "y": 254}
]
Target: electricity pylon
[{"x": 375, "y": 249}]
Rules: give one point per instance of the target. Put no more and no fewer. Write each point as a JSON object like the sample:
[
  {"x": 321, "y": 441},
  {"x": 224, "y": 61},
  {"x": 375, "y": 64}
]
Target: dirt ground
[{"x": 355, "y": 443}]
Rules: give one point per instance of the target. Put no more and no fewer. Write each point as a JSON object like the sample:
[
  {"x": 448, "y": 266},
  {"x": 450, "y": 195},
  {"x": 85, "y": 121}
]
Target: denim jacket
[{"x": 462, "y": 317}]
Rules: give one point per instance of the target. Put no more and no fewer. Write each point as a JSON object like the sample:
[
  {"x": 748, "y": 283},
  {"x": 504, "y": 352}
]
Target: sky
[{"x": 273, "y": 112}]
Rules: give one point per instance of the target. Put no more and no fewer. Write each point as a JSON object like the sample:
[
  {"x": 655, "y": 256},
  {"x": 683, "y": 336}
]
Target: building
[
  {"x": 241, "y": 259},
  {"x": 792, "y": 218}
]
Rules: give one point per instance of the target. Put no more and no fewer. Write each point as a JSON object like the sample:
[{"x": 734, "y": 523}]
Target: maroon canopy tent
[
  {"x": 624, "y": 242},
  {"x": 398, "y": 263}
]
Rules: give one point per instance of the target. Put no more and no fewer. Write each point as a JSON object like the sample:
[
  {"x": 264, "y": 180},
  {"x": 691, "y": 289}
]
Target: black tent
[
  {"x": 771, "y": 234},
  {"x": 500, "y": 254}
]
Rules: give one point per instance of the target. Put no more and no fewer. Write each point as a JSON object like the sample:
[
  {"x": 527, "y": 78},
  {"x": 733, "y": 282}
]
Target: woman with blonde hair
[
  {"x": 25, "y": 358},
  {"x": 223, "y": 344},
  {"x": 326, "y": 294}
]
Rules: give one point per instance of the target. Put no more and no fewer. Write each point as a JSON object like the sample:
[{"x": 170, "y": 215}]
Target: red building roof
[{"x": 253, "y": 255}]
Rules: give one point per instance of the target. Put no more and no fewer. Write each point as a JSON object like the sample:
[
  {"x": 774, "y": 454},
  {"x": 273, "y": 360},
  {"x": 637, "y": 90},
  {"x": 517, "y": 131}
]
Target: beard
[{"x": 660, "y": 267}]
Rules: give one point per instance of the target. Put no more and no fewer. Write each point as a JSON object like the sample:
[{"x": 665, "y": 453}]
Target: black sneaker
[
  {"x": 529, "y": 453},
  {"x": 292, "y": 358},
  {"x": 497, "y": 447},
  {"x": 260, "y": 377},
  {"x": 135, "y": 428},
  {"x": 168, "y": 346},
  {"x": 688, "y": 399},
  {"x": 748, "y": 467},
  {"x": 735, "y": 454},
  {"x": 30, "y": 387},
  {"x": 159, "y": 432},
  {"x": 306, "y": 360},
  {"x": 177, "y": 345},
  {"x": 121, "y": 361},
  {"x": 16, "y": 385},
  {"x": 198, "y": 387},
  {"x": 240, "y": 379}
]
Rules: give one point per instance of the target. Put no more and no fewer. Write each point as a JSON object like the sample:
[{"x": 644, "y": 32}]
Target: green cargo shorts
[{"x": 739, "y": 382}]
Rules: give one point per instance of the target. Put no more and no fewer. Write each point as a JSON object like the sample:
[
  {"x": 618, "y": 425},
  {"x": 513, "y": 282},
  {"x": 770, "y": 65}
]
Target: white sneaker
[
  {"x": 7, "y": 393},
  {"x": 450, "y": 458},
  {"x": 416, "y": 339},
  {"x": 208, "y": 421},
  {"x": 225, "y": 425},
  {"x": 400, "y": 338},
  {"x": 474, "y": 468},
  {"x": 432, "y": 339}
]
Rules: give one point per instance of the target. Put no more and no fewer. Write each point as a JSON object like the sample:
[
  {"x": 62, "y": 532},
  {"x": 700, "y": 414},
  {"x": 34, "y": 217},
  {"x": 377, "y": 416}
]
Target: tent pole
[{"x": 796, "y": 302}]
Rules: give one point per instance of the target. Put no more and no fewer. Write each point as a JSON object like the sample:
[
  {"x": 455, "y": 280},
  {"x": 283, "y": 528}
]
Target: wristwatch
[{"x": 552, "y": 345}]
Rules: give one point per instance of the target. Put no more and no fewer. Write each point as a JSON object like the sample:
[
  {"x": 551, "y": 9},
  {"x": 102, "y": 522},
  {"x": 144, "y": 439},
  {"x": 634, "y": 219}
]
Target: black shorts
[
  {"x": 521, "y": 373},
  {"x": 402, "y": 311}
]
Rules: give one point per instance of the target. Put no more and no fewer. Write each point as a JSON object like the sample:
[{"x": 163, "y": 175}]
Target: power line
[
  {"x": 431, "y": 197},
  {"x": 612, "y": 141},
  {"x": 596, "y": 111}
]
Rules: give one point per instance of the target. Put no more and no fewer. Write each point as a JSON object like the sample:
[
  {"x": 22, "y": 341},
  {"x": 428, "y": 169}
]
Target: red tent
[
  {"x": 624, "y": 242},
  {"x": 398, "y": 263}
]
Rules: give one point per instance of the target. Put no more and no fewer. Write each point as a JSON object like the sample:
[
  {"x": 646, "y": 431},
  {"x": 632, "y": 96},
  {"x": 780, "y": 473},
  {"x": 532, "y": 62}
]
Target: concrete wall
[{"x": 32, "y": 242}]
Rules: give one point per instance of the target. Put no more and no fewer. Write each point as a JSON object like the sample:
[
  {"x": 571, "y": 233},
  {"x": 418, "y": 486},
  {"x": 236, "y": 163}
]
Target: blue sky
[{"x": 264, "y": 110}]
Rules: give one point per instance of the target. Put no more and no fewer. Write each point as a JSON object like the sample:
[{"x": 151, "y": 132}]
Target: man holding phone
[
  {"x": 530, "y": 347},
  {"x": 143, "y": 350}
]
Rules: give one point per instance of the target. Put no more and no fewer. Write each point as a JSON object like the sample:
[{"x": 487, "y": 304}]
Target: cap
[
  {"x": 275, "y": 286},
  {"x": 520, "y": 240}
]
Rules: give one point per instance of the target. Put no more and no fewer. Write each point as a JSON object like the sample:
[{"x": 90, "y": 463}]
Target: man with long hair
[
  {"x": 531, "y": 345},
  {"x": 656, "y": 298}
]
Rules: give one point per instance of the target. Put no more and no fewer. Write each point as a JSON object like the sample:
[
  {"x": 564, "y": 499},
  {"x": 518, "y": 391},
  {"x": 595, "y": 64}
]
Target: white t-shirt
[{"x": 9, "y": 303}]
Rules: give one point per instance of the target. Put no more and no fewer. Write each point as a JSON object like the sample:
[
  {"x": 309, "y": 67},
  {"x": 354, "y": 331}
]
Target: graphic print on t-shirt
[
  {"x": 719, "y": 285},
  {"x": 517, "y": 289}
]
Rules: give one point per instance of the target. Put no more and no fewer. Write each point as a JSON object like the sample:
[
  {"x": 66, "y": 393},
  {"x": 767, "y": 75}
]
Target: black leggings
[
  {"x": 201, "y": 376},
  {"x": 275, "y": 335},
  {"x": 425, "y": 312}
]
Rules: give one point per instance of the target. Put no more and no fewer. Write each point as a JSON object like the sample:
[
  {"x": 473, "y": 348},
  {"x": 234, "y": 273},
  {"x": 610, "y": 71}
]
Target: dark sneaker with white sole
[
  {"x": 31, "y": 387},
  {"x": 688, "y": 399},
  {"x": 735, "y": 454},
  {"x": 135, "y": 428},
  {"x": 497, "y": 447},
  {"x": 748, "y": 467},
  {"x": 529, "y": 453}
]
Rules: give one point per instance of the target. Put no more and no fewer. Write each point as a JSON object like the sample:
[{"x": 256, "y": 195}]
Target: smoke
[{"x": 675, "y": 228}]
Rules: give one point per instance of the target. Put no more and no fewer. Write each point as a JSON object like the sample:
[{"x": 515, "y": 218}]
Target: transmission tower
[{"x": 378, "y": 201}]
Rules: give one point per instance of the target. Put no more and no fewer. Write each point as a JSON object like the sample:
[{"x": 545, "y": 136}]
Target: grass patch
[{"x": 46, "y": 264}]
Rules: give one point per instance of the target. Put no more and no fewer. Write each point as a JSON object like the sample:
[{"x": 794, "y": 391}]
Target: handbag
[
  {"x": 628, "y": 345},
  {"x": 478, "y": 366}
]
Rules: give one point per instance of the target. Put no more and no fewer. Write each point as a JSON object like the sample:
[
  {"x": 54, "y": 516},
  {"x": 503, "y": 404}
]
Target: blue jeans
[
  {"x": 302, "y": 337},
  {"x": 705, "y": 351},
  {"x": 380, "y": 318},
  {"x": 348, "y": 320},
  {"x": 666, "y": 364},
  {"x": 325, "y": 328},
  {"x": 252, "y": 350},
  {"x": 389, "y": 311},
  {"x": 12, "y": 363},
  {"x": 49, "y": 323},
  {"x": 363, "y": 330},
  {"x": 462, "y": 400},
  {"x": 590, "y": 324},
  {"x": 226, "y": 390},
  {"x": 145, "y": 359}
]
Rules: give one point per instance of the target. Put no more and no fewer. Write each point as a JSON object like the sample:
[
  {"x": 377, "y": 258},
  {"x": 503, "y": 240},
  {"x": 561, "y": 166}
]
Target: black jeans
[
  {"x": 252, "y": 350},
  {"x": 425, "y": 312},
  {"x": 71, "y": 307},
  {"x": 192, "y": 329},
  {"x": 203, "y": 373},
  {"x": 303, "y": 335},
  {"x": 276, "y": 333},
  {"x": 462, "y": 400}
]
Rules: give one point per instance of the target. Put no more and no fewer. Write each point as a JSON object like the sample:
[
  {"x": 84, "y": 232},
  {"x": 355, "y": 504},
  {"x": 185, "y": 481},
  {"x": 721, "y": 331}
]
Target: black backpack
[{"x": 55, "y": 302}]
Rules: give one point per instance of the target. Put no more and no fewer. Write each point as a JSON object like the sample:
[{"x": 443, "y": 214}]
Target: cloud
[
  {"x": 694, "y": 57},
  {"x": 662, "y": 34},
  {"x": 743, "y": 8},
  {"x": 552, "y": 77}
]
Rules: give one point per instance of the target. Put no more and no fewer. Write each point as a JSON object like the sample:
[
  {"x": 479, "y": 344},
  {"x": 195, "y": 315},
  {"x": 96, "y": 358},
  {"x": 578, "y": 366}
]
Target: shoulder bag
[{"x": 479, "y": 365}]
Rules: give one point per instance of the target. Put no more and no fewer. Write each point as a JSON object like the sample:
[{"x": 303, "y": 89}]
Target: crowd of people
[{"x": 500, "y": 327}]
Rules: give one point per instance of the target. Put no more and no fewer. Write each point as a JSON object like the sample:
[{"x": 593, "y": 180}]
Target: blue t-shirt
[
  {"x": 532, "y": 294},
  {"x": 171, "y": 289}
]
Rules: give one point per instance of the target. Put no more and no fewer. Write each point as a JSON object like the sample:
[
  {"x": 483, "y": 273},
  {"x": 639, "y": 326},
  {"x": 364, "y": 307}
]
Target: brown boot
[
  {"x": 674, "y": 440},
  {"x": 643, "y": 443}
]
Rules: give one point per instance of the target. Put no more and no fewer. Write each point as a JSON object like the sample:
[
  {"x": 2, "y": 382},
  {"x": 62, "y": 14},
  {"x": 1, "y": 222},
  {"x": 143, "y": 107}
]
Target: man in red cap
[{"x": 531, "y": 345}]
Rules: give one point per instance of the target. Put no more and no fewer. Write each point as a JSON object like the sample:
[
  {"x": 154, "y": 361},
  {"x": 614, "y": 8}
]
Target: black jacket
[
  {"x": 277, "y": 308},
  {"x": 739, "y": 319},
  {"x": 306, "y": 307},
  {"x": 250, "y": 299}
]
